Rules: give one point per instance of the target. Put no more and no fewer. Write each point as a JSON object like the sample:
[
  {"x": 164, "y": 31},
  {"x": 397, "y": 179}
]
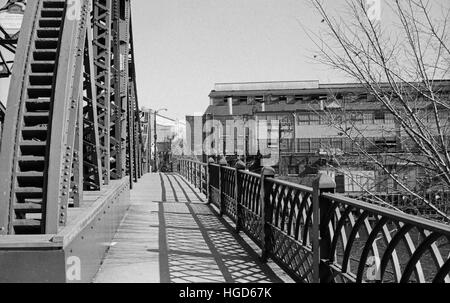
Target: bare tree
[{"x": 401, "y": 63}]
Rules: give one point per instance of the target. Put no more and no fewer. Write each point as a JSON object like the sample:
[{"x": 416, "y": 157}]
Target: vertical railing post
[
  {"x": 321, "y": 238},
  {"x": 194, "y": 165},
  {"x": 200, "y": 177},
  {"x": 208, "y": 180},
  {"x": 188, "y": 174},
  {"x": 223, "y": 162},
  {"x": 266, "y": 212},
  {"x": 238, "y": 192},
  {"x": 190, "y": 171}
]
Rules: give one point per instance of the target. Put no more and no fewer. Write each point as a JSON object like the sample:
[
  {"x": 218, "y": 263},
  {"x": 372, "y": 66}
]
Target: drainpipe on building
[{"x": 230, "y": 105}]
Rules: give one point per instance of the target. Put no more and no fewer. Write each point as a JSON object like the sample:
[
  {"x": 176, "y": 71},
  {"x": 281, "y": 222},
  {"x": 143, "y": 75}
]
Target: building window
[
  {"x": 337, "y": 143},
  {"x": 356, "y": 117},
  {"x": 315, "y": 144},
  {"x": 304, "y": 146},
  {"x": 389, "y": 118},
  {"x": 348, "y": 145},
  {"x": 367, "y": 118},
  {"x": 325, "y": 143},
  {"x": 286, "y": 144},
  {"x": 379, "y": 117},
  {"x": 386, "y": 143},
  {"x": 303, "y": 119},
  {"x": 314, "y": 119},
  {"x": 362, "y": 97}
]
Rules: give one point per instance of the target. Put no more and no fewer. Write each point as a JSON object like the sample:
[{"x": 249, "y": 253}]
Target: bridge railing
[
  {"x": 316, "y": 235},
  {"x": 195, "y": 172}
]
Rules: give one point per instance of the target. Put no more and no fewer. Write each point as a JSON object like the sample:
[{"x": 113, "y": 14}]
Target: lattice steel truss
[{"x": 72, "y": 105}]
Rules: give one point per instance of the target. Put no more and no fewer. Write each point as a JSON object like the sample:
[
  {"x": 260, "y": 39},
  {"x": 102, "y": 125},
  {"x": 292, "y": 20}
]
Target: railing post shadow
[
  {"x": 208, "y": 180},
  {"x": 238, "y": 192},
  {"x": 266, "y": 212},
  {"x": 321, "y": 238},
  {"x": 223, "y": 162}
]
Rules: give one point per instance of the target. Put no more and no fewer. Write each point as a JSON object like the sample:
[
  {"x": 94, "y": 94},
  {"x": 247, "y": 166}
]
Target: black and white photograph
[{"x": 225, "y": 147}]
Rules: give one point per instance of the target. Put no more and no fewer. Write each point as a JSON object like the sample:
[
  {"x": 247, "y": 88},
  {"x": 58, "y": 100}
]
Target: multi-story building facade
[
  {"x": 170, "y": 135},
  {"x": 304, "y": 123}
]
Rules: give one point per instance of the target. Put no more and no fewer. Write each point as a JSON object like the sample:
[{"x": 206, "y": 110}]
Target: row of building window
[
  {"x": 350, "y": 97},
  {"x": 313, "y": 145},
  {"x": 296, "y": 98},
  {"x": 314, "y": 118},
  {"x": 377, "y": 117}
]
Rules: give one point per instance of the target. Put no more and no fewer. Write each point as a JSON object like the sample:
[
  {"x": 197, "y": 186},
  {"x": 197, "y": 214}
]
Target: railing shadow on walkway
[
  {"x": 195, "y": 245},
  {"x": 316, "y": 235}
]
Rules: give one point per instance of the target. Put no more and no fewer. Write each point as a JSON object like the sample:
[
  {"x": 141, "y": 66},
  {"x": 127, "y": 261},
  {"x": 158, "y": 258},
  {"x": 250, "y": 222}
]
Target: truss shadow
[{"x": 195, "y": 245}]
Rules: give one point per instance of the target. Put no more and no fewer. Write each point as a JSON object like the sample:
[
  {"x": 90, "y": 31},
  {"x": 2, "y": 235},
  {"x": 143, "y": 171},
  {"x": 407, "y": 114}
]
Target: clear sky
[{"x": 183, "y": 47}]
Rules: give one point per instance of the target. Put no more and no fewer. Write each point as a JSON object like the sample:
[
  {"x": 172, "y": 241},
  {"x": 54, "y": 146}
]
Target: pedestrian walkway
[{"x": 171, "y": 235}]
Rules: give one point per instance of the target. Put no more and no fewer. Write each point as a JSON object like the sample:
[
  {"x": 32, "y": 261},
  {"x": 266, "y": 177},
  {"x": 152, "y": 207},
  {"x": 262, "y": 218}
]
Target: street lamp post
[{"x": 156, "y": 138}]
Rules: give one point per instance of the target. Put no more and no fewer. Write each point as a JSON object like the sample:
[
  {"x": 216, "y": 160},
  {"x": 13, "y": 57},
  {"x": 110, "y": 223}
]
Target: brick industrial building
[{"x": 307, "y": 116}]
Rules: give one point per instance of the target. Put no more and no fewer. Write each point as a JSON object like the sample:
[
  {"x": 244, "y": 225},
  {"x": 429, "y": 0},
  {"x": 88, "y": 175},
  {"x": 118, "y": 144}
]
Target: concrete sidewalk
[{"x": 170, "y": 235}]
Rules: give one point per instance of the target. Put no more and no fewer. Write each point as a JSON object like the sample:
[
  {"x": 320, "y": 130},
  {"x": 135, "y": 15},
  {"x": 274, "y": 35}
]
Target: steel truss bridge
[{"x": 74, "y": 143}]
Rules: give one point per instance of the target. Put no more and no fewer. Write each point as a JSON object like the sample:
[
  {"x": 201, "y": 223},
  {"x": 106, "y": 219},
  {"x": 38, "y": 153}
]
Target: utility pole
[
  {"x": 155, "y": 157},
  {"x": 155, "y": 168}
]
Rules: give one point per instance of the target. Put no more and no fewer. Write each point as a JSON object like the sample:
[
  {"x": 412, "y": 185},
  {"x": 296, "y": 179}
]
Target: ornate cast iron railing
[{"x": 350, "y": 241}]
